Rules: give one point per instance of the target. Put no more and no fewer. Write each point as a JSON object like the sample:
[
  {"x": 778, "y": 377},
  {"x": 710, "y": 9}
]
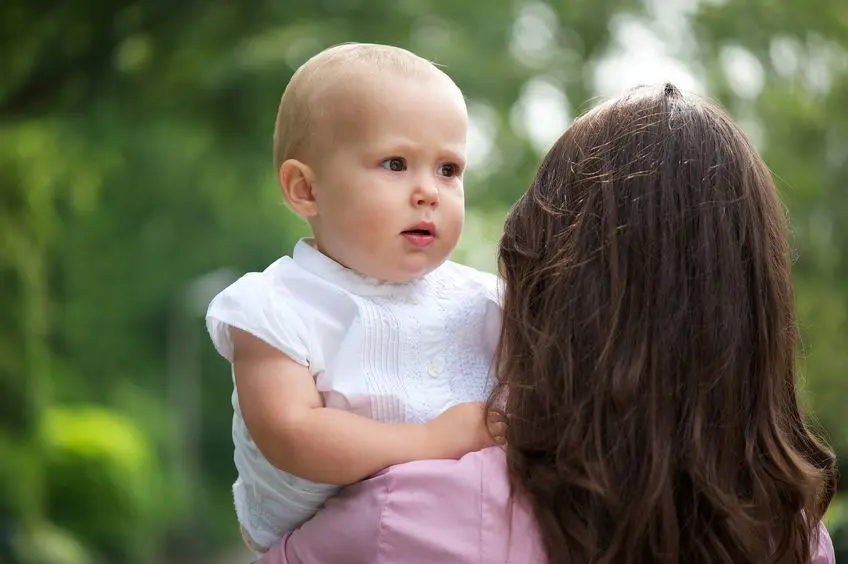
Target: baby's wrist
[
  {"x": 412, "y": 441},
  {"x": 435, "y": 444}
]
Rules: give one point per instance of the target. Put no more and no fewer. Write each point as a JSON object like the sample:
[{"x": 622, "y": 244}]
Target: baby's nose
[{"x": 427, "y": 195}]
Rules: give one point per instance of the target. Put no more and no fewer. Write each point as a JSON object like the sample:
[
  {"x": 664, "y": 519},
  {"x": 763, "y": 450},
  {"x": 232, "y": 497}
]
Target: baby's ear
[{"x": 296, "y": 181}]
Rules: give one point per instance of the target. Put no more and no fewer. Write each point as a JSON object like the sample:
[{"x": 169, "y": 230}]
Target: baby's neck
[{"x": 366, "y": 278}]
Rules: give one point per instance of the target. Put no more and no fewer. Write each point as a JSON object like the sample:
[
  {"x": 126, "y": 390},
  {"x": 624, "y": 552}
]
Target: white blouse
[{"x": 391, "y": 352}]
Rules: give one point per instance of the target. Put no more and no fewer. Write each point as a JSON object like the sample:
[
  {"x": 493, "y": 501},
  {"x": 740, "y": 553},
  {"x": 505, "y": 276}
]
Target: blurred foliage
[
  {"x": 47, "y": 544},
  {"x": 135, "y": 160},
  {"x": 98, "y": 464}
]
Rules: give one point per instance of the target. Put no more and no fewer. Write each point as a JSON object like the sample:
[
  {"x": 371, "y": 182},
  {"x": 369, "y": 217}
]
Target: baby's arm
[{"x": 296, "y": 433}]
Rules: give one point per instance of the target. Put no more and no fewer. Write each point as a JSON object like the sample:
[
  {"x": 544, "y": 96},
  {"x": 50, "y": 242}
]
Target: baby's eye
[
  {"x": 449, "y": 170},
  {"x": 394, "y": 164}
]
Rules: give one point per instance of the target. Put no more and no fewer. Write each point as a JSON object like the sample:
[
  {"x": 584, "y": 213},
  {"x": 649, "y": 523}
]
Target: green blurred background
[{"x": 136, "y": 181}]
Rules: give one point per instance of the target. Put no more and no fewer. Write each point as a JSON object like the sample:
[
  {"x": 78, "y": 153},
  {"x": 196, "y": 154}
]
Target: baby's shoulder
[
  {"x": 274, "y": 281},
  {"x": 282, "y": 285}
]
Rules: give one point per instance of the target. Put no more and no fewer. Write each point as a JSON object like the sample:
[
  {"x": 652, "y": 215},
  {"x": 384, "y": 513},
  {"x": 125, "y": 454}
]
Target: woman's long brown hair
[{"x": 647, "y": 364}]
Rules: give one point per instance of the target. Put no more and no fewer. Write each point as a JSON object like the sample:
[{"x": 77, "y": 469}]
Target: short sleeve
[{"x": 265, "y": 310}]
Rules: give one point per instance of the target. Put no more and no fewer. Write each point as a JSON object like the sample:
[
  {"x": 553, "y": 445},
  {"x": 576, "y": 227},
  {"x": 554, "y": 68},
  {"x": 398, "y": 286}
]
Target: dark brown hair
[{"x": 647, "y": 359}]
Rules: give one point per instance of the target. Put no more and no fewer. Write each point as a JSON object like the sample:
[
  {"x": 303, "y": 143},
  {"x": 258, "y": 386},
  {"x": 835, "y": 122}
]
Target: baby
[{"x": 365, "y": 348}]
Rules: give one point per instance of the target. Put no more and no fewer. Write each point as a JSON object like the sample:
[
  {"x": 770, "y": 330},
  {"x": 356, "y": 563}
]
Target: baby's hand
[{"x": 462, "y": 429}]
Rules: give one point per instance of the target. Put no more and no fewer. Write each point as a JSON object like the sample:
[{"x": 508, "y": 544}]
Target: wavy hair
[{"x": 647, "y": 356}]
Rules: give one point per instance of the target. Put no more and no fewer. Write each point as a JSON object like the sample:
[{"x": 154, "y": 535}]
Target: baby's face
[{"x": 389, "y": 187}]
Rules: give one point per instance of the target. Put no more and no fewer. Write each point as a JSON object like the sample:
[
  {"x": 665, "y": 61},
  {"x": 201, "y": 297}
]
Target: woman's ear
[{"x": 296, "y": 183}]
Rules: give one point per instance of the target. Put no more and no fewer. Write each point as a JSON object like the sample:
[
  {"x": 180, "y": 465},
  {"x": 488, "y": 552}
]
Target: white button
[
  {"x": 412, "y": 300},
  {"x": 434, "y": 370}
]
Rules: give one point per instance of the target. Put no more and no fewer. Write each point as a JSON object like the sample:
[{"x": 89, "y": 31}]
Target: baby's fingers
[{"x": 497, "y": 427}]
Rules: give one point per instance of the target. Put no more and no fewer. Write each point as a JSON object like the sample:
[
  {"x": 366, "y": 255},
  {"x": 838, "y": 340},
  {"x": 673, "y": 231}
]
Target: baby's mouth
[
  {"x": 423, "y": 229},
  {"x": 420, "y": 235}
]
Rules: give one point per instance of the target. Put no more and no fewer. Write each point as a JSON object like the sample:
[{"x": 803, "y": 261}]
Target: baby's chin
[{"x": 409, "y": 273}]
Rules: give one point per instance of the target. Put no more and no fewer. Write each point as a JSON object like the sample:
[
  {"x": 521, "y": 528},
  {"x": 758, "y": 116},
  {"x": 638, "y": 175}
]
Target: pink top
[{"x": 451, "y": 512}]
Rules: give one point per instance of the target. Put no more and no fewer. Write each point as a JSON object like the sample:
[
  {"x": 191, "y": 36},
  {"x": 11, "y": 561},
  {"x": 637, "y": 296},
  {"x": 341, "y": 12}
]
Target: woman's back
[{"x": 648, "y": 346}]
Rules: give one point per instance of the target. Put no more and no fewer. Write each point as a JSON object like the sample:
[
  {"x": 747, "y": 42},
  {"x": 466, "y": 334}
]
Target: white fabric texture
[{"x": 391, "y": 352}]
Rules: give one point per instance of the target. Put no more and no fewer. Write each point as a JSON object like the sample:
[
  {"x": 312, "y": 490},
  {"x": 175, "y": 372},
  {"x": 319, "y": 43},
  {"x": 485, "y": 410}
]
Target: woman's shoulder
[
  {"x": 420, "y": 512},
  {"x": 823, "y": 547},
  {"x": 455, "y": 511}
]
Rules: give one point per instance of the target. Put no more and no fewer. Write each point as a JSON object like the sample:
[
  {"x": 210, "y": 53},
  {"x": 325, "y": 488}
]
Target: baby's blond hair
[{"x": 307, "y": 98}]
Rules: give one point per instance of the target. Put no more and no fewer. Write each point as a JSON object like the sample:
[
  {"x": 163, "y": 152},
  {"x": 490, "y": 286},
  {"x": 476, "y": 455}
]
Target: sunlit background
[{"x": 136, "y": 181}]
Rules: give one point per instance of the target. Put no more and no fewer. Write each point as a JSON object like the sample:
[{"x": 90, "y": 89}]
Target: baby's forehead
[
  {"x": 332, "y": 72},
  {"x": 358, "y": 82},
  {"x": 352, "y": 99}
]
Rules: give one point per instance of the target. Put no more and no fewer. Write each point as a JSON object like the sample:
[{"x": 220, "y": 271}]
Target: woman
[{"x": 647, "y": 372}]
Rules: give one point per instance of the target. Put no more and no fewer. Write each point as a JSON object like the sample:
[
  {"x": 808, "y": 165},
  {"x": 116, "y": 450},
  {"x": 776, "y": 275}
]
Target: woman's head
[{"x": 647, "y": 354}]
